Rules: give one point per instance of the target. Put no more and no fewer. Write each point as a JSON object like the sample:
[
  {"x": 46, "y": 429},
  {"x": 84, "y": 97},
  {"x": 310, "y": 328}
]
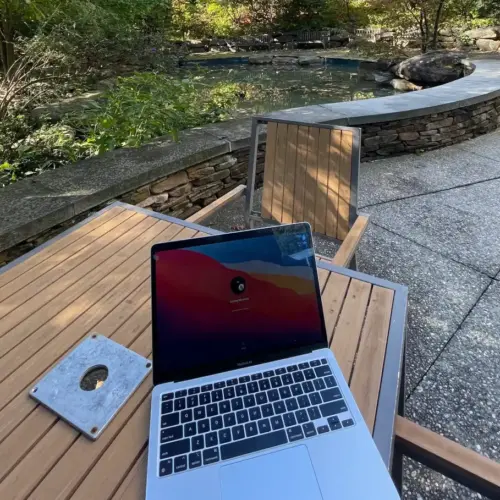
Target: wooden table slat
[
  {"x": 367, "y": 373},
  {"x": 107, "y": 289},
  {"x": 87, "y": 270},
  {"x": 40, "y": 420},
  {"x": 80, "y": 298},
  {"x": 333, "y": 298},
  {"x": 134, "y": 485},
  {"x": 84, "y": 297},
  {"x": 39, "y": 257},
  {"x": 69, "y": 470},
  {"x": 347, "y": 333}
]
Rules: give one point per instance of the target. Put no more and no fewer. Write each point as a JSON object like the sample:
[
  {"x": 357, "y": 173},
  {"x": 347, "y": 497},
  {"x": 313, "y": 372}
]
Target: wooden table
[{"x": 95, "y": 278}]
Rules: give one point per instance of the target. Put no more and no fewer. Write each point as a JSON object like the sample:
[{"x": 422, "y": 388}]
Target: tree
[{"x": 426, "y": 15}]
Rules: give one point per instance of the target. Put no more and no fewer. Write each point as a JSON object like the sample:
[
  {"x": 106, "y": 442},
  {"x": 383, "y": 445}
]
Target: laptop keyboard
[{"x": 216, "y": 422}]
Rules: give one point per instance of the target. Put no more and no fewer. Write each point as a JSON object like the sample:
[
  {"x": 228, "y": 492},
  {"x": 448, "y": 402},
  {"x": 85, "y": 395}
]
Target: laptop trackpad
[{"x": 282, "y": 474}]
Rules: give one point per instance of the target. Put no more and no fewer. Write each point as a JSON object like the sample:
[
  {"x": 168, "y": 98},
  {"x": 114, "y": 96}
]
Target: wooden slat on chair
[
  {"x": 218, "y": 204},
  {"x": 322, "y": 181},
  {"x": 332, "y": 202},
  {"x": 290, "y": 164},
  {"x": 267, "y": 194},
  {"x": 348, "y": 248},
  {"x": 311, "y": 177},
  {"x": 279, "y": 172},
  {"x": 448, "y": 457},
  {"x": 300, "y": 174},
  {"x": 345, "y": 185}
]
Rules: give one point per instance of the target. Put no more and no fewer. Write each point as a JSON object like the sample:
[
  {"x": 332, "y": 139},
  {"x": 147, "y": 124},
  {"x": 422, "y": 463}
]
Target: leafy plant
[{"x": 148, "y": 105}]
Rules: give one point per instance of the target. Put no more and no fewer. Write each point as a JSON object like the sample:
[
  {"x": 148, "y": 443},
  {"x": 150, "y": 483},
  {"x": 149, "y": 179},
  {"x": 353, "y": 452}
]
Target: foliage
[
  {"x": 148, "y": 105},
  {"x": 25, "y": 151},
  {"x": 140, "y": 108}
]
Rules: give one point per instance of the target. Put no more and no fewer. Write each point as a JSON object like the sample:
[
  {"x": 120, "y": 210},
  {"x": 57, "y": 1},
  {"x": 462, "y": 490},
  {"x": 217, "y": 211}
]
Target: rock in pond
[
  {"x": 432, "y": 68},
  {"x": 309, "y": 60},
  {"x": 404, "y": 85},
  {"x": 260, "y": 59}
]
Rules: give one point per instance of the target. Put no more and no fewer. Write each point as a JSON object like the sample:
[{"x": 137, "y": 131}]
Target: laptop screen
[{"x": 229, "y": 301}]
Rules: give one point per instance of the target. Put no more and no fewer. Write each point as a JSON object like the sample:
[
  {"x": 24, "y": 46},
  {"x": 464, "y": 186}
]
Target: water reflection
[{"x": 272, "y": 88}]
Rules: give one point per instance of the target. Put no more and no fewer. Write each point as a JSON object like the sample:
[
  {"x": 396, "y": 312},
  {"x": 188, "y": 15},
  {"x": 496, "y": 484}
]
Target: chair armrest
[
  {"x": 346, "y": 251},
  {"x": 449, "y": 458},
  {"x": 211, "y": 209}
]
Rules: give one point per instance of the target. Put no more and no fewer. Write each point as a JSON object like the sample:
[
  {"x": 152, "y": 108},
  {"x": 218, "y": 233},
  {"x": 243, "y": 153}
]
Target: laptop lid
[{"x": 234, "y": 300}]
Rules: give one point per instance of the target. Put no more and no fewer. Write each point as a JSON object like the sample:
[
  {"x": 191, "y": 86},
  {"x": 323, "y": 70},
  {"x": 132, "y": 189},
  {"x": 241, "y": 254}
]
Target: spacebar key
[{"x": 257, "y": 443}]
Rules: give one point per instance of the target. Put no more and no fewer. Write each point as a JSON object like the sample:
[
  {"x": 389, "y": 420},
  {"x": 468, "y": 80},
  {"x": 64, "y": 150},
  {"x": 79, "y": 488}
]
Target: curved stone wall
[{"x": 181, "y": 177}]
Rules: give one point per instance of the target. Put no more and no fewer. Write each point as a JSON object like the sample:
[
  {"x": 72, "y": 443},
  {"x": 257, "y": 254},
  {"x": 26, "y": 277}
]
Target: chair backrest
[{"x": 311, "y": 174}]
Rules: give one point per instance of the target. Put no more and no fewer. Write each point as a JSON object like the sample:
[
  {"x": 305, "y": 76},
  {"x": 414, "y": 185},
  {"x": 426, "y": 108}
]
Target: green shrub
[
  {"x": 148, "y": 105},
  {"x": 140, "y": 108}
]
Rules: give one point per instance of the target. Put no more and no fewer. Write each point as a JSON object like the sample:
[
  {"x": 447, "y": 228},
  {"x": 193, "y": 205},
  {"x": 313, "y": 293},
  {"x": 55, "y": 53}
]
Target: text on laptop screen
[{"x": 229, "y": 301}]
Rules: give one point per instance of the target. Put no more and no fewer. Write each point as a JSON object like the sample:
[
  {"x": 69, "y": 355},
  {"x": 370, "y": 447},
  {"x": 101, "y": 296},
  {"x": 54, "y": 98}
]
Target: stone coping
[
  {"x": 33, "y": 205},
  {"x": 482, "y": 85}
]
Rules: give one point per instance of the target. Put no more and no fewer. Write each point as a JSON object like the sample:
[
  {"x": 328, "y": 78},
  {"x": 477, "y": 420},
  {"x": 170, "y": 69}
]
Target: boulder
[
  {"x": 309, "y": 60},
  {"x": 260, "y": 59},
  {"x": 404, "y": 85},
  {"x": 487, "y": 45},
  {"x": 285, "y": 60},
  {"x": 432, "y": 68},
  {"x": 492, "y": 33}
]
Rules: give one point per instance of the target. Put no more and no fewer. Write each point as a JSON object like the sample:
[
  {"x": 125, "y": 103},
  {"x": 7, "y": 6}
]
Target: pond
[{"x": 273, "y": 88}]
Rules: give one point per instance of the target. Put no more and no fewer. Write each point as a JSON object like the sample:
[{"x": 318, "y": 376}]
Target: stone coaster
[{"x": 90, "y": 385}]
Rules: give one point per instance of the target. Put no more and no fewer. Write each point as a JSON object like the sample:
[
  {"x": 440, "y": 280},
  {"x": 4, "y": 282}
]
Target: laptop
[{"x": 248, "y": 400}]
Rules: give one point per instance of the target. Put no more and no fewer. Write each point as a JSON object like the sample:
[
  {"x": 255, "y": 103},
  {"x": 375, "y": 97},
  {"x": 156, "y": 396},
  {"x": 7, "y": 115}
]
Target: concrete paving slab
[
  {"x": 486, "y": 146},
  {"x": 460, "y": 395},
  {"x": 441, "y": 293},
  {"x": 460, "y": 224},
  {"x": 401, "y": 177}
]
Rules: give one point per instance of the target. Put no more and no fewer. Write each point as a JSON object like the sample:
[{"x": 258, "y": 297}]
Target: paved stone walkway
[{"x": 434, "y": 226}]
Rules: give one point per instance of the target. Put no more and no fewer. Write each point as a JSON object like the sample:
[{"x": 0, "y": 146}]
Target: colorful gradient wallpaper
[{"x": 230, "y": 300}]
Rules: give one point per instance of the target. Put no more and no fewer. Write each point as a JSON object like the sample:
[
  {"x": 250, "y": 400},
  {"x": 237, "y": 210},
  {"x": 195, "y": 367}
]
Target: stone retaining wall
[
  {"x": 185, "y": 192},
  {"x": 429, "y": 132}
]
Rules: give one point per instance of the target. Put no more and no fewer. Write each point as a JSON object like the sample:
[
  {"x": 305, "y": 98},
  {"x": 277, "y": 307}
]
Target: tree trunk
[
  {"x": 6, "y": 40},
  {"x": 437, "y": 22},
  {"x": 423, "y": 34}
]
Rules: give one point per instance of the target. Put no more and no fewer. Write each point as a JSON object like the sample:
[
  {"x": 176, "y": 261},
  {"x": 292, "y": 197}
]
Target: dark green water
[{"x": 277, "y": 88}]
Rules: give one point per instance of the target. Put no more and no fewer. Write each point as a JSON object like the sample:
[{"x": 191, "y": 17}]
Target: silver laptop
[{"x": 249, "y": 402}]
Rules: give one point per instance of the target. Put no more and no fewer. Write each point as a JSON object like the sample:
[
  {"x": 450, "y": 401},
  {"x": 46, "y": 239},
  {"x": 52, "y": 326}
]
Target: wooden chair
[{"x": 310, "y": 174}]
